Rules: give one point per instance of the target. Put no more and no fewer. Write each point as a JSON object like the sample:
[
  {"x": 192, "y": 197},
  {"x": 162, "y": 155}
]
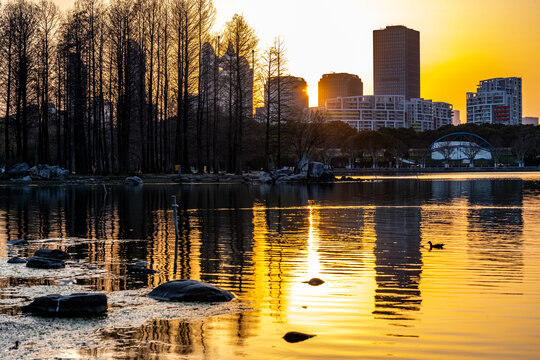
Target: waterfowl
[
  {"x": 435, "y": 246},
  {"x": 314, "y": 282}
]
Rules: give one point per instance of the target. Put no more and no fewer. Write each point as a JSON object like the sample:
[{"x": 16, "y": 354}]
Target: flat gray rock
[
  {"x": 190, "y": 291},
  {"x": 16, "y": 260},
  {"x": 38, "y": 262},
  {"x": 74, "y": 305},
  {"x": 52, "y": 254}
]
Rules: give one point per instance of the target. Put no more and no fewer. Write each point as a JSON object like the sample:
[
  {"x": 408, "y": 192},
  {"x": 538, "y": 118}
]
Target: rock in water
[
  {"x": 52, "y": 254},
  {"x": 141, "y": 270},
  {"x": 294, "y": 337},
  {"x": 74, "y": 305},
  {"x": 38, "y": 262},
  {"x": 314, "y": 282},
  {"x": 16, "y": 260},
  {"x": 190, "y": 291},
  {"x": 17, "y": 242}
]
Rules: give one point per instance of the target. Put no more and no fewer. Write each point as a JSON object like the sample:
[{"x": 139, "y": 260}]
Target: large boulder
[
  {"x": 265, "y": 177},
  {"x": 38, "y": 262},
  {"x": 316, "y": 169},
  {"x": 19, "y": 170},
  {"x": 190, "y": 291},
  {"x": 284, "y": 171},
  {"x": 133, "y": 180},
  {"x": 302, "y": 165},
  {"x": 74, "y": 305},
  {"x": 52, "y": 254}
]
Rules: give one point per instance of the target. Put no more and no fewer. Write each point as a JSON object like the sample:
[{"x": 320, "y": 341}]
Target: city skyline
[{"x": 460, "y": 44}]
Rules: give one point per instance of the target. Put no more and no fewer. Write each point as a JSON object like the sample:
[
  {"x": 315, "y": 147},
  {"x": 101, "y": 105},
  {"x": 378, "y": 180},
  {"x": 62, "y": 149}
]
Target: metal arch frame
[
  {"x": 489, "y": 147},
  {"x": 464, "y": 133}
]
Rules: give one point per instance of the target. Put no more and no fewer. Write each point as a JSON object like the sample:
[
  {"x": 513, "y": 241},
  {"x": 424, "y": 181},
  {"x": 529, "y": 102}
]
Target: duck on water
[{"x": 435, "y": 246}]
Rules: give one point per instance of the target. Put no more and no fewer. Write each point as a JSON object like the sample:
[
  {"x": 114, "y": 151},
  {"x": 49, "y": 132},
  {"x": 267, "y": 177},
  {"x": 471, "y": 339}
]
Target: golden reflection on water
[{"x": 385, "y": 294}]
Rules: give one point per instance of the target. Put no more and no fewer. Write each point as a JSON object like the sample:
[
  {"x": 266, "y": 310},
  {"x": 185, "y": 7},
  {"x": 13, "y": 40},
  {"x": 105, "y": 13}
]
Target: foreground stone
[
  {"x": 190, "y": 291},
  {"x": 38, "y": 262},
  {"x": 16, "y": 260},
  {"x": 52, "y": 254},
  {"x": 294, "y": 337},
  {"x": 314, "y": 282},
  {"x": 74, "y": 305}
]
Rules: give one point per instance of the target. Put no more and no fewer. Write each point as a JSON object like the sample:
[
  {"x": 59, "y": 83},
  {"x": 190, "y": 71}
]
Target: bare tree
[{"x": 243, "y": 42}]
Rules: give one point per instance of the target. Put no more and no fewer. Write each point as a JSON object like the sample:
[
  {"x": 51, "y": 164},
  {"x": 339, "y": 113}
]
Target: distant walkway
[{"x": 338, "y": 172}]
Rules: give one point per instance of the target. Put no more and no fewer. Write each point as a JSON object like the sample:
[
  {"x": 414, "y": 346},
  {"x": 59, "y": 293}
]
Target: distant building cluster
[
  {"x": 392, "y": 111},
  {"x": 496, "y": 101},
  {"x": 397, "y": 102}
]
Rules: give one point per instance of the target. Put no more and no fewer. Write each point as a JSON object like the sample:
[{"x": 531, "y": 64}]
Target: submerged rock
[
  {"x": 190, "y": 291},
  {"x": 314, "y": 282},
  {"x": 141, "y": 269},
  {"x": 52, "y": 254},
  {"x": 133, "y": 180},
  {"x": 17, "y": 242},
  {"x": 74, "y": 305},
  {"x": 38, "y": 262},
  {"x": 16, "y": 260},
  {"x": 294, "y": 336}
]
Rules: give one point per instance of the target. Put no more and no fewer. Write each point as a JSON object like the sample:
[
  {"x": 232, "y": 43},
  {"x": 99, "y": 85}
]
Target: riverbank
[{"x": 254, "y": 177}]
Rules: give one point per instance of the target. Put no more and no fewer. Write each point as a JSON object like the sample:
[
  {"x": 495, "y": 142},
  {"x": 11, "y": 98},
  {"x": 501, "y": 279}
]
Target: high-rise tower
[{"x": 396, "y": 61}]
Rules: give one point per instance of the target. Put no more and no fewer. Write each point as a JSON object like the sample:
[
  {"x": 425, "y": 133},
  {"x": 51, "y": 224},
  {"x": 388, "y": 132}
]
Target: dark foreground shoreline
[{"x": 253, "y": 177}]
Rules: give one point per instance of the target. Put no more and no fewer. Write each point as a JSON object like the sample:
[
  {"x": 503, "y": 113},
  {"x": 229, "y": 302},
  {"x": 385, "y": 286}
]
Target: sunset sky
[{"x": 462, "y": 41}]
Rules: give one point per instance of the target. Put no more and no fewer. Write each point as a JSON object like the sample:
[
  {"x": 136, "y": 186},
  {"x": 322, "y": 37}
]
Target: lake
[{"x": 386, "y": 294}]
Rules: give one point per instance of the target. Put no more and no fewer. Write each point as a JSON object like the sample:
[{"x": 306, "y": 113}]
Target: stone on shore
[
  {"x": 54, "y": 254},
  {"x": 16, "y": 260},
  {"x": 265, "y": 177},
  {"x": 74, "y": 305},
  {"x": 133, "y": 180},
  {"x": 24, "y": 179},
  {"x": 38, "y": 262},
  {"x": 190, "y": 291},
  {"x": 47, "y": 172}
]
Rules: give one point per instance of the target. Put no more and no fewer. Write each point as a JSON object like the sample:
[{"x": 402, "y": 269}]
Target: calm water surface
[{"x": 385, "y": 294}]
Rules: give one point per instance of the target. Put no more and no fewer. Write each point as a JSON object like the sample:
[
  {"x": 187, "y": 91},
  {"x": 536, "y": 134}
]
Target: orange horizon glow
[{"x": 461, "y": 42}]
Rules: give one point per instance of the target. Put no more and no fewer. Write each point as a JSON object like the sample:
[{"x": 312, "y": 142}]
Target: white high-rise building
[
  {"x": 425, "y": 115},
  {"x": 496, "y": 101},
  {"x": 368, "y": 112},
  {"x": 393, "y": 111}
]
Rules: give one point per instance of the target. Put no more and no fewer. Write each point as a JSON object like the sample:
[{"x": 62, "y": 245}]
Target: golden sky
[{"x": 462, "y": 41}]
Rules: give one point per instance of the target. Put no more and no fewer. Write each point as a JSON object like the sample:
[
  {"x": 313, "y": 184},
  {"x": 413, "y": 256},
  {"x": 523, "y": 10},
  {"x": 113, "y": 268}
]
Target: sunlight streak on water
[{"x": 385, "y": 293}]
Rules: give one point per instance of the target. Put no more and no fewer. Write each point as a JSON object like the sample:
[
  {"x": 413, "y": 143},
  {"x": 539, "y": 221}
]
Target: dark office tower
[
  {"x": 396, "y": 62},
  {"x": 334, "y": 85}
]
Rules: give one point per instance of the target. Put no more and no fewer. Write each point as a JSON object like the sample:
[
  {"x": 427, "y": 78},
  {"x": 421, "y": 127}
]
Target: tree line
[
  {"x": 124, "y": 86},
  {"x": 134, "y": 86}
]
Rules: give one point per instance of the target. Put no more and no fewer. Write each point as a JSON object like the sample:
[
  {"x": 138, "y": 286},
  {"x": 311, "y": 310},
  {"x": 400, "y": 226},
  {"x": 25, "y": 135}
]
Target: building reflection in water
[
  {"x": 261, "y": 242},
  {"x": 398, "y": 260}
]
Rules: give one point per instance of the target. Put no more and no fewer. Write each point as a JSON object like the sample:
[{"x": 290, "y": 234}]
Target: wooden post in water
[{"x": 175, "y": 207}]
